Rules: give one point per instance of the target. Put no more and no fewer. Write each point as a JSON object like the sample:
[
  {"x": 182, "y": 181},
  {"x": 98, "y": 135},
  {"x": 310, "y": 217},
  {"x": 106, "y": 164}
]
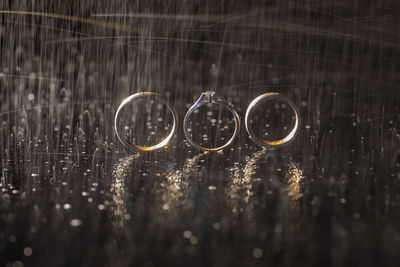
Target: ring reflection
[
  {"x": 242, "y": 189},
  {"x": 240, "y": 186},
  {"x": 175, "y": 189},
  {"x": 119, "y": 193},
  {"x": 294, "y": 175}
]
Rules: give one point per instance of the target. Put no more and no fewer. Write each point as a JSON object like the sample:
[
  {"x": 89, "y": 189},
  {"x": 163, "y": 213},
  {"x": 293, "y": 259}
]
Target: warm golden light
[
  {"x": 164, "y": 142},
  {"x": 105, "y": 24},
  {"x": 239, "y": 189},
  {"x": 119, "y": 194},
  {"x": 294, "y": 175},
  {"x": 265, "y": 143},
  {"x": 175, "y": 189}
]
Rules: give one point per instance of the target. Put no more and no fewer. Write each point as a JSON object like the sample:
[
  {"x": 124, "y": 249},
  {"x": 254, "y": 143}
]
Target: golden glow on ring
[
  {"x": 146, "y": 148},
  {"x": 274, "y": 143}
]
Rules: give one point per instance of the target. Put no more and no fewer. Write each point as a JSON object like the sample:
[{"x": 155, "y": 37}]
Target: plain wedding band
[
  {"x": 276, "y": 143},
  {"x": 160, "y": 145}
]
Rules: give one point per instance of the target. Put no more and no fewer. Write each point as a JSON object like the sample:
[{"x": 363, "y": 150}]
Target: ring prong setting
[
  {"x": 206, "y": 98},
  {"x": 210, "y": 97}
]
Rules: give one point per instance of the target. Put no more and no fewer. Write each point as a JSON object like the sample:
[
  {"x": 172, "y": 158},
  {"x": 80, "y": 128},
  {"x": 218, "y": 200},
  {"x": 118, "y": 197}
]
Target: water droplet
[
  {"x": 12, "y": 239},
  {"x": 257, "y": 253},
  {"x": 16, "y": 264},
  {"x": 31, "y": 97},
  {"x": 28, "y": 251},
  {"x": 216, "y": 226},
  {"x": 187, "y": 234},
  {"x": 75, "y": 222},
  {"x": 194, "y": 240}
]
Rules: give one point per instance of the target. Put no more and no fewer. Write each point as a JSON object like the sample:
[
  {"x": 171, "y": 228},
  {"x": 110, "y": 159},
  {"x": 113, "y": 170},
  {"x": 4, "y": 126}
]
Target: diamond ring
[
  {"x": 213, "y": 98},
  {"x": 277, "y": 143},
  {"x": 136, "y": 96}
]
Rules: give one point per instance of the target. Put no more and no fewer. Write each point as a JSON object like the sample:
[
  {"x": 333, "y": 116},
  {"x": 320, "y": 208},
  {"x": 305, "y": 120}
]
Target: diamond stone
[{"x": 210, "y": 97}]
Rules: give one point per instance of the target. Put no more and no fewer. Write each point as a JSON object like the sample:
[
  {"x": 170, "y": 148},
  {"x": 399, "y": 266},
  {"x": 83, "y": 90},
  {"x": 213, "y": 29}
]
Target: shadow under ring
[
  {"x": 210, "y": 97},
  {"x": 276, "y": 143},
  {"x": 135, "y": 147}
]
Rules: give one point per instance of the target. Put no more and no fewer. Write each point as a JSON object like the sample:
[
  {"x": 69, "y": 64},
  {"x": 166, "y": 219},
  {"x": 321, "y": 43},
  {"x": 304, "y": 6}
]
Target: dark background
[{"x": 71, "y": 195}]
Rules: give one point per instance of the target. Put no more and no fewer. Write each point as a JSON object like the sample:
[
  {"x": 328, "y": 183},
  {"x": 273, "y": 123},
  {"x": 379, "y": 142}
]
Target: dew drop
[
  {"x": 75, "y": 222},
  {"x": 28, "y": 251},
  {"x": 257, "y": 253}
]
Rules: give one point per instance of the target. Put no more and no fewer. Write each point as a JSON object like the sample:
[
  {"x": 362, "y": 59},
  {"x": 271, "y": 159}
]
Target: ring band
[
  {"x": 160, "y": 99},
  {"x": 277, "y": 143},
  {"x": 210, "y": 97}
]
